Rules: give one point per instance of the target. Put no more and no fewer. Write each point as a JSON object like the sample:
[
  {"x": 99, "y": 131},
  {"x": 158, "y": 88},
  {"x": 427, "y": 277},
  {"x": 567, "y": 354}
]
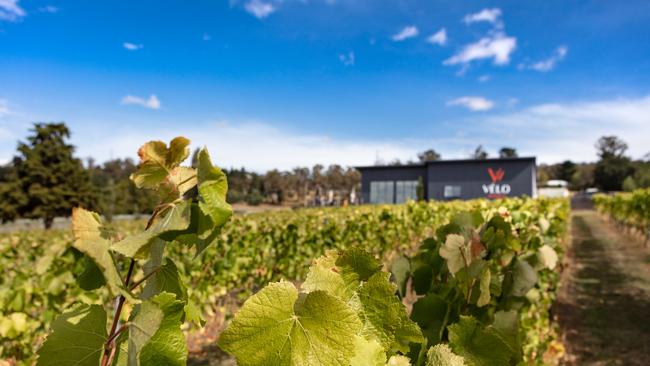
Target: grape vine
[
  {"x": 472, "y": 281},
  {"x": 142, "y": 277},
  {"x": 191, "y": 212},
  {"x": 629, "y": 210}
]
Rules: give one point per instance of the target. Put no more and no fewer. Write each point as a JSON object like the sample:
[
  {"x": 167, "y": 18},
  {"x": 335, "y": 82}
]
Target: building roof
[{"x": 531, "y": 159}]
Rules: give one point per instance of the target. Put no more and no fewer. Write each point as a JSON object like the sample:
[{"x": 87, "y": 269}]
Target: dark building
[{"x": 449, "y": 179}]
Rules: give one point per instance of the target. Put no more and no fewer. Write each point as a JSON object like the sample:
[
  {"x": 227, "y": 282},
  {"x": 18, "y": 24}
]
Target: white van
[{"x": 554, "y": 188}]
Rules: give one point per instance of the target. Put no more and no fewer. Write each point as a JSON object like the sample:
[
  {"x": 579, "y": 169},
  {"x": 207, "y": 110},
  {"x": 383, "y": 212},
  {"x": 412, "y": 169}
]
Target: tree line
[
  {"x": 613, "y": 171},
  {"x": 432, "y": 155},
  {"x": 45, "y": 180}
]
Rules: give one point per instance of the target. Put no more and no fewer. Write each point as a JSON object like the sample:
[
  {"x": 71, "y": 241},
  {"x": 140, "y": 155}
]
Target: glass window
[
  {"x": 452, "y": 192},
  {"x": 405, "y": 190},
  {"x": 382, "y": 192}
]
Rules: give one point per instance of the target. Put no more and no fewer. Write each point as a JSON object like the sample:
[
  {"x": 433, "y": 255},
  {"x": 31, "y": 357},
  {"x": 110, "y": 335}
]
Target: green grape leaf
[
  {"x": 324, "y": 275},
  {"x": 441, "y": 355},
  {"x": 401, "y": 269},
  {"x": 77, "y": 338},
  {"x": 193, "y": 314},
  {"x": 385, "y": 316},
  {"x": 544, "y": 225},
  {"x": 547, "y": 256},
  {"x": 484, "y": 287},
  {"x": 506, "y": 325},
  {"x": 175, "y": 185},
  {"x": 367, "y": 353},
  {"x": 276, "y": 326},
  {"x": 354, "y": 276},
  {"x": 477, "y": 345},
  {"x": 524, "y": 278},
  {"x": 43, "y": 263},
  {"x": 91, "y": 278},
  {"x": 155, "y": 336},
  {"x": 213, "y": 187},
  {"x": 456, "y": 252},
  {"x": 429, "y": 313},
  {"x": 173, "y": 219},
  {"x": 157, "y": 161},
  {"x": 94, "y": 240},
  {"x": 340, "y": 273},
  {"x": 498, "y": 235},
  {"x": 57, "y": 284},
  {"x": 166, "y": 279},
  {"x": 13, "y": 325},
  {"x": 398, "y": 360},
  {"x": 468, "y": 219},
  {"x": 201, "y": 232},
  {"x": 426, "y": 265},
  {"x": 359, "y": 262}
]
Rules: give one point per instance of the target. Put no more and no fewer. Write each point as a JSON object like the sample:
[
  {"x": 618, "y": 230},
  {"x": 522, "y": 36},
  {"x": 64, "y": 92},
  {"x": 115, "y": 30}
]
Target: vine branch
[{"x": 109, "y": 347}]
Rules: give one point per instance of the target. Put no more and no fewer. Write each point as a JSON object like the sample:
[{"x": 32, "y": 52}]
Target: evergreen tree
[
  {"x": 566, "y": 170},
  {"x": 508, "y": 152},
  {"x": 46, "y": 180},
  {"x": 428, "y": 155},
  {"x": 479, "y": 153},
  {"x": 613, "y": 166}
]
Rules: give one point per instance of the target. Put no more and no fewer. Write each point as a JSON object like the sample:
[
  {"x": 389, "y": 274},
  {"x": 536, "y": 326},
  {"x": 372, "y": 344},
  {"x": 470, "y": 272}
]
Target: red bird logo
[{"x": 497, "y": 175}]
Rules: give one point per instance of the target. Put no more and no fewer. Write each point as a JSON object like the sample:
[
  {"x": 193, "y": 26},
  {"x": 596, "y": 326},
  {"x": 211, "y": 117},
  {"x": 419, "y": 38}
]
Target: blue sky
[{"x": 281, "y": 83}]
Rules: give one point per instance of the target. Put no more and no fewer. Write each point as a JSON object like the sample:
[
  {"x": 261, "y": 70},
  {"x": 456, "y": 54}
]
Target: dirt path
[{"x": 604, "y": 302}]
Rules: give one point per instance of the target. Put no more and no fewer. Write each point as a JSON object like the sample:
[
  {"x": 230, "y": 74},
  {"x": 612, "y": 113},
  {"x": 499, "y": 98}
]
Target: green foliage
[
  {"x": 279, "y": 326},
  {"x": 256, "y": 249},
  {"x": 77, "y": 338},
  {"x": 613, "y": 166},
  {"x": 628, "y": 209},
  {"x": 155, "y": 336},
  {"x": 428, "y": 155},
  {"x": 478, "y": 346},
  {"x": 152, "y": 335},
  {"x": 476, "y": 276},
  {"x": 508, "y": 152},
  {"x": 355, "y": 277},
  {"x": 45, "y": 180},
  {"x": 117, "y": 193},
  {"x": 441, "y": 355}
]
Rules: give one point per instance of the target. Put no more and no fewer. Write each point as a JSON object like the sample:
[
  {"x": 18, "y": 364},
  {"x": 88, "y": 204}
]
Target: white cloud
[
  {"x": 259, "y": 8},
  {"x": 347, "y": 60},
  {"x": 439, "y": 38},
  {"x": 512, "y": 102},
  {"x": 558, "y": 131},
  {"x": 476, "y": 104},
  {"x": 497, "y": 46},
  {"x": 549, "y": 64},
  {"x": 406, "y": 33},
  {"x": 553, "y": 132},
  {"x": 4, "y": 107},
  {"x": 49, "y": 9},
  {"x": 10, "y": 10},
  {"x": 486, "y": 15},
  {"x": 132, "y": 46},
  {"x": 152, "y": 103},
  {"x": 484, "y": 78},
  {"x": 254, "y": 145}
]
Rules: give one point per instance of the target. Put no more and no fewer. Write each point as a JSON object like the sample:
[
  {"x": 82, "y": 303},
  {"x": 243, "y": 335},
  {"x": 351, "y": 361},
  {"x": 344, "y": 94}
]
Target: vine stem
[
  {"x": 109, "y": 346},
  {"x": 140, "y": 281}
]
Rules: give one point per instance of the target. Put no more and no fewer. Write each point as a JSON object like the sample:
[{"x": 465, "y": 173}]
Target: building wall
[
  {"x": 394, "y": 174},
  {"x": 492, "y": 178}
]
